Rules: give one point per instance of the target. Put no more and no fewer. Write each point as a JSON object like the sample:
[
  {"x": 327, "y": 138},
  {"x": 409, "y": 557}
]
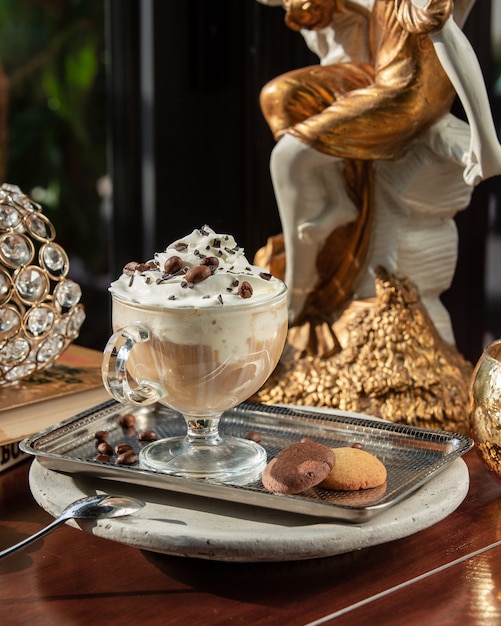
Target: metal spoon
[{"x": 93, "y": 507}]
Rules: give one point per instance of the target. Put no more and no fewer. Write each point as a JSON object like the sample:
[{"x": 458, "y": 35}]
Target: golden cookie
[{"x": 354, "y": 469}]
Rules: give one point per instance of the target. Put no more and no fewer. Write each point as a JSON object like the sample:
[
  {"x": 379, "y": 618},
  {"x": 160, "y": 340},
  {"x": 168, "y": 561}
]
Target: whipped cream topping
[{"x": 202, "y": 269}]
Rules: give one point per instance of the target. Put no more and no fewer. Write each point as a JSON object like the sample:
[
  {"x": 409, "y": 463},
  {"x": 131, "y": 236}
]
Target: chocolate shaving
[
  {"x": 181, "y": 247},
  {"x": 220, "y": 299}
]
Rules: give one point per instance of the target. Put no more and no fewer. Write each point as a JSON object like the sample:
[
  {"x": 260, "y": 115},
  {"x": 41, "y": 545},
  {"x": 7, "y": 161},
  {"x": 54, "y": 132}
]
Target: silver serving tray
[{"x": 411, "y": 455}]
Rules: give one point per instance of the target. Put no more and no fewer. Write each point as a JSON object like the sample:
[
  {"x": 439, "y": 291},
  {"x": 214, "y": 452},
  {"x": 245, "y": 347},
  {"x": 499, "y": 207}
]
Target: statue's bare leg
[{"x": 312, "y": 199}]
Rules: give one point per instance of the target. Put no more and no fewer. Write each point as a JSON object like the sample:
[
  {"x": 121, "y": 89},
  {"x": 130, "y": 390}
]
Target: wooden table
[{"x": 449, "y": 573}]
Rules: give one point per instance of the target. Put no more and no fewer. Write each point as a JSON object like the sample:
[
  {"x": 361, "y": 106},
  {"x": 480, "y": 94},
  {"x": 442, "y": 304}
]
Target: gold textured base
[{"x": 391, "y": 363}]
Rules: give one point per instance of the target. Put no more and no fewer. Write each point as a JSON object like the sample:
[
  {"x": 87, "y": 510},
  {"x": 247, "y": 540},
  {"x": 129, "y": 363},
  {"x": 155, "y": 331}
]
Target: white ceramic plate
[{"x": 193, "y": 526}]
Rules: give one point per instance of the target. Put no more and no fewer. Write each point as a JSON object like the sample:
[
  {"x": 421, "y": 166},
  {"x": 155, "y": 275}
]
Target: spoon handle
[{"x": 41, "y": 533}]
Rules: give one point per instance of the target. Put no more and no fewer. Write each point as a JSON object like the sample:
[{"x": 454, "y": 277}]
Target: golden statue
[{"x": 369, "y": 170}]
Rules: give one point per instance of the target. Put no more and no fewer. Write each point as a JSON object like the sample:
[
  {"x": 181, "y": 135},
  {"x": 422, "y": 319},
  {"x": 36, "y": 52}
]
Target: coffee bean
[
  {"x": 144, "y": 267},
  {"x": 120, "y": 448},
  {"x": 197, "y": 274},
  {"x": 102, "y": 435},
  {"x": 212, "y": 262},
  {"x": 127, "y": 420},
  {"x": 173, "y": 264},
  {"x": 130, "y": 268},
  {"x": 127, "y": 458},
  {"x": 147, "y": 435},
  {"x": 104, "y": 448},
  {"x": 245, "y": 290},
  {"x": 253, "y": 435},
  {"x": 102, "y": 458}
]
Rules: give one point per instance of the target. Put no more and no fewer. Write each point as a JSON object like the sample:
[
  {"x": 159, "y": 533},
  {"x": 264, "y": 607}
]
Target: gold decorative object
[
  {"x": 485, "y": 408},
  {"x": 40, "y": 310},
  {"x": 369, "y": 169},
  {"x": 391, "y": 363}
]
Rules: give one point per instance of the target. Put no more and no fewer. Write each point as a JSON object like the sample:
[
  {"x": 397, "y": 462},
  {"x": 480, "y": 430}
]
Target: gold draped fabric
[{"x": 368, "y": 111}]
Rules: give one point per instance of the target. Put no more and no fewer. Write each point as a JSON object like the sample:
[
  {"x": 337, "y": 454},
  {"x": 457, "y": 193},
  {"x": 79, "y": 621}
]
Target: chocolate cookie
[
  {"x": 298, "y": 467},
  {"x": 355, "y": 469}
]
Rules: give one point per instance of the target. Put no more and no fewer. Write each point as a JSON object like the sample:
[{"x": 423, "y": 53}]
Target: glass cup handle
[{"x": 116, "y": 378}]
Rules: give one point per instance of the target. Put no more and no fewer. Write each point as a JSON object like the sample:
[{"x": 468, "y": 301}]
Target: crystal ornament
[
  {"x": 40, "y": 309},
  {"x": 15, "y": 250},
  {"x": 67, "y": 295},
  {"x": 9, "y": 217},
  {"x": 31, "y": 284},
  {"x": 39, "y": 321},
  {"x": 39, "y": 227},
  {"x": 5, "y": 287},
  {"x": 54, "y": 259}
]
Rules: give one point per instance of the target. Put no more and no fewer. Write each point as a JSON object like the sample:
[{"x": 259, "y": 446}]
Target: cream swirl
[{"x": 201, "y": 269}]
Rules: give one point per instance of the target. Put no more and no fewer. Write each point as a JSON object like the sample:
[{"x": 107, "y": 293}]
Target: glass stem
[{"x": 203, "y": 431}]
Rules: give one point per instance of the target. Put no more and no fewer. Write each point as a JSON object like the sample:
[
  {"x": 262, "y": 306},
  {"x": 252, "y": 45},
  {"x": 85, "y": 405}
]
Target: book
[
  {"x": 70, "y": 386},
  {"x": 11, "y": 454}
]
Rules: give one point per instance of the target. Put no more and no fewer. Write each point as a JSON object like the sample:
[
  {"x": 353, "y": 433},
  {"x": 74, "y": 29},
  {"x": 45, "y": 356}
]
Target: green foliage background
[{"x": 52, "y": 57}]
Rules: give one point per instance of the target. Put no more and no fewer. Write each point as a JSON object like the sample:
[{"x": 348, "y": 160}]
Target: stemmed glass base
[{"x": 203, "y": 453}]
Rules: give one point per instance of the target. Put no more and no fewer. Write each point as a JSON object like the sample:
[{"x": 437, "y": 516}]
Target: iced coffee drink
[{"x": 201, "y": 328}]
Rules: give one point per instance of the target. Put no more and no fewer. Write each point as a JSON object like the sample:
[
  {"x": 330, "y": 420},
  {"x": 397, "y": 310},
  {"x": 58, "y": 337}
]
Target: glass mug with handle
[{"x": 200, "y": 361}]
